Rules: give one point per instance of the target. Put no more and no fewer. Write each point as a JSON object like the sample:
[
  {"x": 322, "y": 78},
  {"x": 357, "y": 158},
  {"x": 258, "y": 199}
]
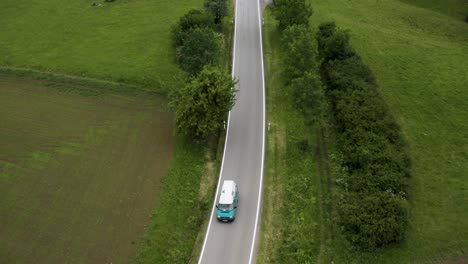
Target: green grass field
[
  {"x": 124, "y": 41},
  {"x": 79, "y": 175},
  {"x": 418, "y": 54}
]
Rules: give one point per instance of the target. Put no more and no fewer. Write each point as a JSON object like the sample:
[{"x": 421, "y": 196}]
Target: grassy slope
[
  {"x": 179, "y": 223},
  {"x": 419, "y": 58},
  {"x": 78, "y": 175},
  {"x": 125, "y": 41}
]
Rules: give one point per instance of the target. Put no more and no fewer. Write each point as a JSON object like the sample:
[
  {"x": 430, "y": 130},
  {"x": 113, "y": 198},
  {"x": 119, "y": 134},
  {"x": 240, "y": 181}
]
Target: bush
[
  {"x": 218, "y": 8},
  {"x": 337, "y": 47},
  {"x": 202, "y": 46},
  {"x": 308, "y": 96},
  {"x": 326, "y": 30},
  {"x": 299, "y": 52},
  {"x": 193, "y": 19},
  {"x": 291, "y": 12},
  {"x": 372, "y": 211}
]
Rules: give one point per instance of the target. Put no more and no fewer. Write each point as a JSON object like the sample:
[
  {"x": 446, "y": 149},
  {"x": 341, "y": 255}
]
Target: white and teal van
[{"x": 228, "y": 201}]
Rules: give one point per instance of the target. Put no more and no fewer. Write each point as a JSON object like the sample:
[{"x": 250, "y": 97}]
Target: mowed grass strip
[
  {"x": 123, "y": 41},
  {"x": 292, "y": 227},
  {"x": 79, "y": 175},
  {"x": 419, "y": 59}
]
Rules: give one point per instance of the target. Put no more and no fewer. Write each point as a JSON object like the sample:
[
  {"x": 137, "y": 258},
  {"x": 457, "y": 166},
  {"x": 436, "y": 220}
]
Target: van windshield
[{"x": 225, "y": 207}]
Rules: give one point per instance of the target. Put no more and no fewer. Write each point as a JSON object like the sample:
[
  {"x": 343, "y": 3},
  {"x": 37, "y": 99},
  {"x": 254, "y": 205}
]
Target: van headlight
[{"x": 231, "y": 216}]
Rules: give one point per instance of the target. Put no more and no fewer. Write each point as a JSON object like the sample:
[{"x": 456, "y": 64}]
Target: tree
[
  {"x": 326, "y": 30},
  {"x": 308, "y": 96},
  {"x": 193, "y": 19},
  {"x": 218, "y": 8},
  {"x": 200, "y": 47},
  {"x": 202, "y": 104},
  {"x": 299, "y": 51},
  {"x": 291, "y": 12}
]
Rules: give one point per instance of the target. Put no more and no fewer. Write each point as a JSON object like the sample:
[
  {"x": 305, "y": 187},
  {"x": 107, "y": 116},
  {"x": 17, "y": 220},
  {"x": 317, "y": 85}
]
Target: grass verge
[
  {"x": 177, "y": 218},
  {"x": 292, "y": 229}
]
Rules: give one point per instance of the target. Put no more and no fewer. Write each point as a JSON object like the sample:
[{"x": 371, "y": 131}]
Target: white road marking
[
  {"x": 225, "y": 141},
  {"x": 252, "y": 248}
]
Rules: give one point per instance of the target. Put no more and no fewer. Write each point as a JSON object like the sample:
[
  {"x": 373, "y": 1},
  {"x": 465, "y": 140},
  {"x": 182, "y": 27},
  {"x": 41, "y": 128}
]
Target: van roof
[{"x": 227, "y": 192}]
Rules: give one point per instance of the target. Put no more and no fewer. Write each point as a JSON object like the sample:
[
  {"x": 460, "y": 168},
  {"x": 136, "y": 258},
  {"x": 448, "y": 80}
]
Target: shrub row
[
  {"x": 372, "y": 201},
  {"x": 196, "y": 42},
  {"x": 300, "y": 71},
  {"x": 176, "y": 222}
]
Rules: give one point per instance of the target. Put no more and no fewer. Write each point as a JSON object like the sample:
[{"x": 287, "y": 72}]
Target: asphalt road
[{"x": 243, "y": 157}]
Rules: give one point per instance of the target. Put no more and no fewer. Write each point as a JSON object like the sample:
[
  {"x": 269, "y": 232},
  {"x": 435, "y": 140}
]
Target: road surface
[{"x": 244, "y": 147}]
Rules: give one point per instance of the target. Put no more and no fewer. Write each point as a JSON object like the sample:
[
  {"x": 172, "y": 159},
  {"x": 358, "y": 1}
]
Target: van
[{"x": 228, "y": 201}]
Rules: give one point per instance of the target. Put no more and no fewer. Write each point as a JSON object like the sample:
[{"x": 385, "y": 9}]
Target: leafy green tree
[
  {"x": 202, "y": 46},
  {"x": 195, "y": 18},
  {"x": 291, "y": 12},
  {"x": 308, "y": 96},
  {"x": 202, "y": 104},
  {"x": 299, "y": 51},
  {"x": 218, "y": 8}
]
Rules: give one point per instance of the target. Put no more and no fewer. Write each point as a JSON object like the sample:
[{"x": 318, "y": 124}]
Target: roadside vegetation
[
  {"x": 373, "y": 184},
  {"x": 415, "y": 58},
  {"x": 293, "y": 230},
  {"x": 200, "y": 107}
]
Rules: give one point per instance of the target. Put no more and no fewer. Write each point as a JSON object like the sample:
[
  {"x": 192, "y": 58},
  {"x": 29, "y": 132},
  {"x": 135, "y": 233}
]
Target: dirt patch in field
[{"x": 79, "y": 175}]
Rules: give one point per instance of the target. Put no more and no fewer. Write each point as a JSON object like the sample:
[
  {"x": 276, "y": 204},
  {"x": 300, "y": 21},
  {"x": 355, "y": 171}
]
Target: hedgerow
[{"x": 373, "y": 193}]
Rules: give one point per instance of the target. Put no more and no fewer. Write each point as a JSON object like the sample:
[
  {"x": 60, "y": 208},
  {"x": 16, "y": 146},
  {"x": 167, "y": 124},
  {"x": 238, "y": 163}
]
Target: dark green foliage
[
  {"x": 308, "y": 96},
  {"x": 372, "y": 220},
  {"x": 326, "y": 30},
  {"x": 372, "y": 211},
  {"x": 195, "y": 18},
  {"x": 202, "y": 46},
  {"x": 299, "y": 53},
  {"x": 202, "y": 104},
  {"x": 176, "y": 221},
  {"x": 218, "y": 8},
  {"x": 291, "y": 12}
]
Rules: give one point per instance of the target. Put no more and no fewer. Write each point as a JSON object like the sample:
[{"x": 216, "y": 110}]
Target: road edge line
[
  {"x": 260, "y": 186},
  {"x": 225, "y": 141}
]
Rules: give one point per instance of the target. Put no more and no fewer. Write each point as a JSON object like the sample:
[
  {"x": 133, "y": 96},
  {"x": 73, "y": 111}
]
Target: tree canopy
[
  {"x": 202, "y": 104},
  {"x": 291, "y": 12}
]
